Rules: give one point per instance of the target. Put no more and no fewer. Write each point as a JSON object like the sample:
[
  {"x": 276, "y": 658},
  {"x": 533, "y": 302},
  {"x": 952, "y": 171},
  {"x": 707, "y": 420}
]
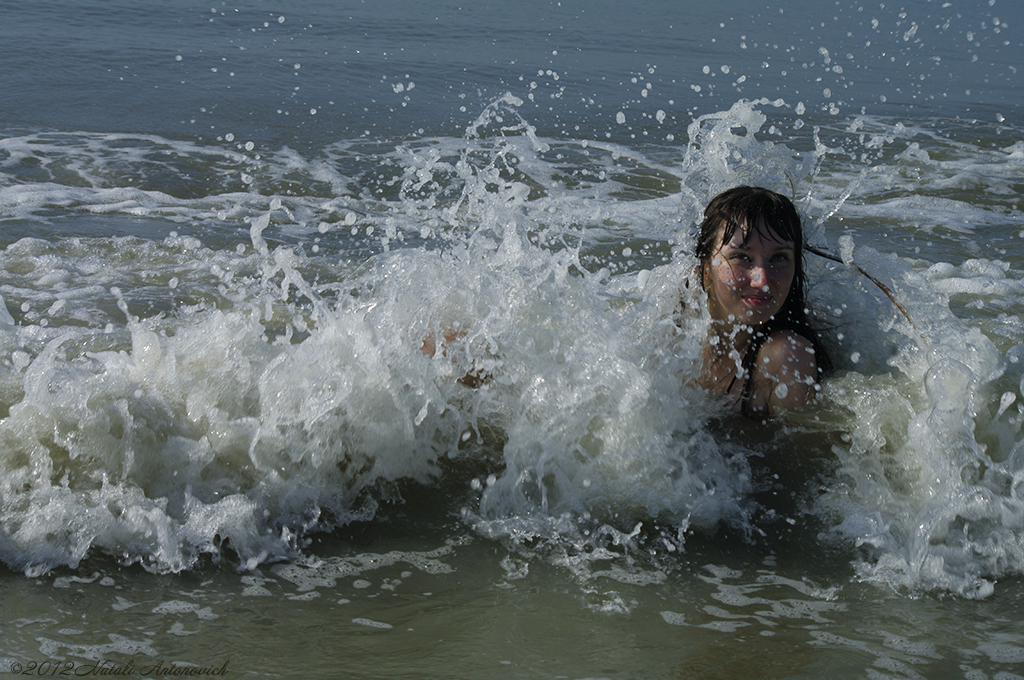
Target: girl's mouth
[{"x": 757, "y": 300}]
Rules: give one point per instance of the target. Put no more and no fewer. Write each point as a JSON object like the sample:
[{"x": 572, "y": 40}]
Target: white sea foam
[{"x": 260, "y": 376}]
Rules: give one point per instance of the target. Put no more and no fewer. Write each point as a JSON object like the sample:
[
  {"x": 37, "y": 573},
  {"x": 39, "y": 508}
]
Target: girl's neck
[
  {"x": 725, "y": 337},
  {"x": 723, "y": 355}
]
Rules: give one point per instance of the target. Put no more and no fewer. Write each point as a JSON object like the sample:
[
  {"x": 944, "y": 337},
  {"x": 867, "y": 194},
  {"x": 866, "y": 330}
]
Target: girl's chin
[{"x": 745, "y": 325}]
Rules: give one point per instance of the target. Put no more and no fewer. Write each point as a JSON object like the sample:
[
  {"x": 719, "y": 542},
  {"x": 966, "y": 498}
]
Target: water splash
[{"x": 259, "y": 377}]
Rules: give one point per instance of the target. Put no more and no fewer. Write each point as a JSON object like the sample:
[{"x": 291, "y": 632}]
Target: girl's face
[{"x": 747, "y": 283}]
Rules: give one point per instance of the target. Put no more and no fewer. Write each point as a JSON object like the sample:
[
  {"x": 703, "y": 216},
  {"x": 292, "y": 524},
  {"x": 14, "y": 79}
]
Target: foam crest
[
  {"x": 269, "y": 374},
  {"x": 934, "y": 492}
]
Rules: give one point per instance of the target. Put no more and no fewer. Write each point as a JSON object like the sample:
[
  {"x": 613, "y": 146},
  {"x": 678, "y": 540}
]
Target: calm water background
[{"x": 226, "y": 229}]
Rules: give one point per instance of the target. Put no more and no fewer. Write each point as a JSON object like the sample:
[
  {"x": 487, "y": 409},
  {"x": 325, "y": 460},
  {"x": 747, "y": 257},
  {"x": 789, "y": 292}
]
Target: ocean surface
[{"x": 228, "y": 230}]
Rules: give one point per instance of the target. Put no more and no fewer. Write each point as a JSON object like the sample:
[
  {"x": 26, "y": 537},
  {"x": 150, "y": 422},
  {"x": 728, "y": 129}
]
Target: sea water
[{"x": 228, "y": 232}]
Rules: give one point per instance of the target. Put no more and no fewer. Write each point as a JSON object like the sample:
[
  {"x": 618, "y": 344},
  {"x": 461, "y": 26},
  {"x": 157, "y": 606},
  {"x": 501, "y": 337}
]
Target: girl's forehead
[{"x": 761, "y": 235}]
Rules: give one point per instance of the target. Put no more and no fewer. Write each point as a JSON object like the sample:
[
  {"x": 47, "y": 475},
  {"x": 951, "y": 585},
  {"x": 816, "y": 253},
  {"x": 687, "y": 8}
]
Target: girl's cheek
[{"x": 726, "y": 275}]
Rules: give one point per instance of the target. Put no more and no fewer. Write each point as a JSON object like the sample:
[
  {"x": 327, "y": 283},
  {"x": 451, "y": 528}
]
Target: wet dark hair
[{"x": 773, "y": 217}]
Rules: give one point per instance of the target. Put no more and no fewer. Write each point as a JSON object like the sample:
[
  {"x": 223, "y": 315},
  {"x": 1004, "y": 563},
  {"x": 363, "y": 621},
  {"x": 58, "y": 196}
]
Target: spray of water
[{"x": 237, "y": 389}]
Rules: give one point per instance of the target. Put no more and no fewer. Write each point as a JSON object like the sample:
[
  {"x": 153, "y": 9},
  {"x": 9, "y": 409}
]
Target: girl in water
[{"x": 761, "y": 352}]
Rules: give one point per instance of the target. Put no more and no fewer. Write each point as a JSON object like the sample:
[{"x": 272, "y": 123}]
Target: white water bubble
[
  {"x": 249, "y": 146},
  {"x": 323, "y": 227},
  {"x": 660, "y": 116},
  {"x": 370, "y": 623},
  {"x": 20, "y": 360},
  {"x": 846, "y": 248},
  {"x": 620, "y": 117},
  {"x": 173, "y": 283},
  {"x": 1006, "y": 402},
  {"x": 782, "y": 390},
  {"x": 178, "y": 57},
  {"x": 312, "y": 112},
  {"x": 229, "y": 137},
  {"x": 673, "y": 618},
  {"x": 855, "y": 357},
  {"x": 280, "y": 19}
]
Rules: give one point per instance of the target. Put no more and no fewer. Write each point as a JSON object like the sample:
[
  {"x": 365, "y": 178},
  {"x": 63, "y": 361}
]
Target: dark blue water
[{"x": 201, "y": 70}]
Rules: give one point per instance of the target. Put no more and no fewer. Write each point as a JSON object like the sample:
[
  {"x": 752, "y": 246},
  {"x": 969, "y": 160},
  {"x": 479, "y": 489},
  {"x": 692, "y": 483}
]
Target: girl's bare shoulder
[{"x": 787, "y": 370}]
